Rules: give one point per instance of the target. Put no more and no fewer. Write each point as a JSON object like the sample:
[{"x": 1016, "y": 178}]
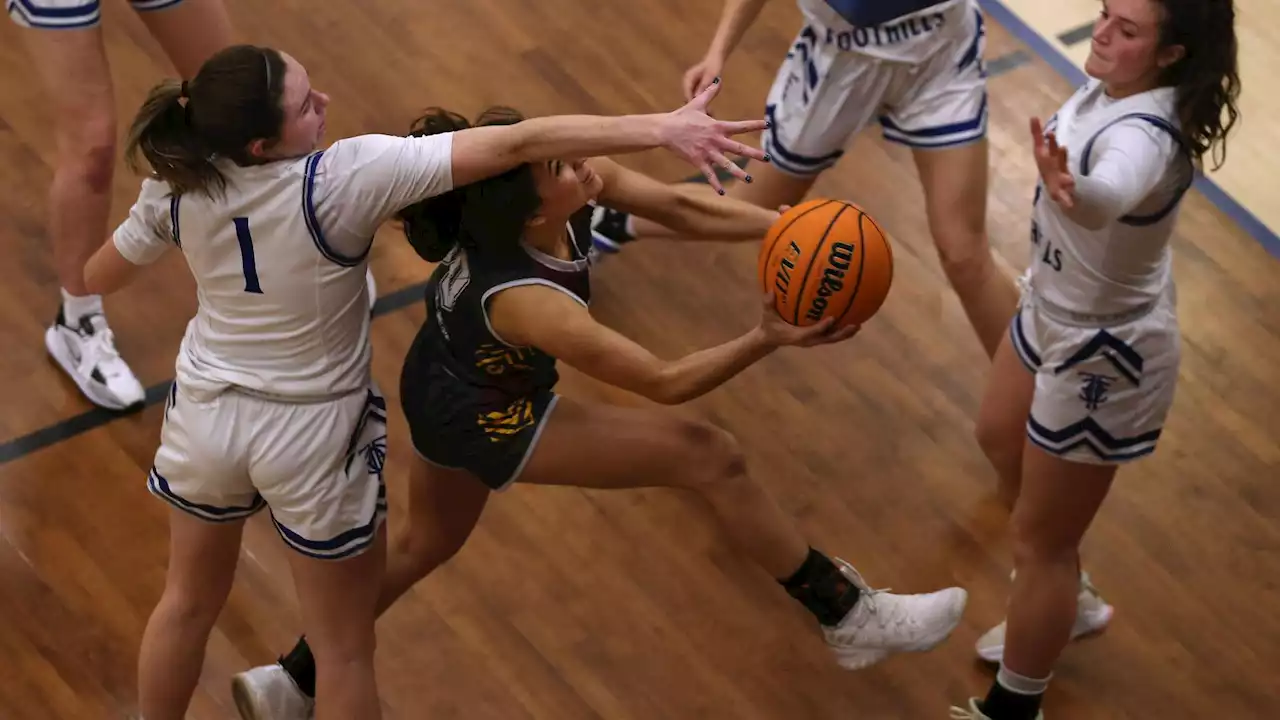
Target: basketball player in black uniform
[{"x": 507, "y": 300}]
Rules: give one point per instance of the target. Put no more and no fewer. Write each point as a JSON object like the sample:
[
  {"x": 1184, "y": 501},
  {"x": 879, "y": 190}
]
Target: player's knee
[
  {"x": 427, "y": 548},
  {"x": 713, "y": 460},
  {"x": 1033, "y": 543},
  {"x": 193, "y": 607},
  {"x": 997, "y": 444},
  {"x": 87, "y": 147},
  {"x": 963, "y": 252}
]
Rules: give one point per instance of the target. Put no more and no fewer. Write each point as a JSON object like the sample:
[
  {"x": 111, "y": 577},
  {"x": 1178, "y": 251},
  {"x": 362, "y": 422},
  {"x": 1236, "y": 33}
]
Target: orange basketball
[{"x": 826, "y": 258}]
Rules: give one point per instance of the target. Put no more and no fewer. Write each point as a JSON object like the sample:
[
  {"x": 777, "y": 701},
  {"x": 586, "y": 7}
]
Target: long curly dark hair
[
  {"x": 488, "y": 215},
  {"x": 1207, "y": 77}
]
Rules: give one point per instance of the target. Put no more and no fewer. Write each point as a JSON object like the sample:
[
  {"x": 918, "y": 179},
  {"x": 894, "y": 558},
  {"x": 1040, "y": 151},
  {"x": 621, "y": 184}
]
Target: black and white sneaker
[
  {"x": 87, "y": 352},
  {"x": 609, "y": 230}
]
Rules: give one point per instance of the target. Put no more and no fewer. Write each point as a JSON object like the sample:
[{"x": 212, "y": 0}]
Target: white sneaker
[
  {"x": 268, "y": 693},
  {"x": 373, "y": 287},
  {"x": 882, "y": 623},
  {"x": 1092, "y": 615},
  {"x": 87, "y": 352}
]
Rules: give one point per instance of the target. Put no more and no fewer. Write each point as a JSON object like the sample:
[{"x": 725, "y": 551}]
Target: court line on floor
[
  {"x": 95, "y": 418},
  {"x": 996, "y": 10}
]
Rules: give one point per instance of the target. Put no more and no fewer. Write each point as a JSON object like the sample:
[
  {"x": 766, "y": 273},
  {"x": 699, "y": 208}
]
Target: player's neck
[
  {"x": 1117, "y": 91},
  {"x": 550, "y": 238}
]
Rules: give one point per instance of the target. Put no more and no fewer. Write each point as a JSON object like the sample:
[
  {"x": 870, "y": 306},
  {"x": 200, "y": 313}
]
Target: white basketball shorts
[
  {"x": 317, "y": 466},
  {"x": 826, "y": 91},
  {"x": 1102, "y": 394},
  {"x": 70, "y": 14}
]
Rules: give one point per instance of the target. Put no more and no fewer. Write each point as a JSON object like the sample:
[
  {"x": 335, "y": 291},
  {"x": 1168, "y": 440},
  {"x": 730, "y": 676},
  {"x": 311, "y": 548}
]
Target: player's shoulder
[{"x": 154, "y": 189}]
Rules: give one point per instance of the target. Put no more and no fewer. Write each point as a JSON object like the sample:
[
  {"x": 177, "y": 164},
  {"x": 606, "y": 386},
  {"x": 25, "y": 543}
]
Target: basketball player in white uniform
[
  {"x": 1086, "y": 376},
  {"x": 64, "y": 42},
  {"x": 916, "y": 68},
  {"x": 274, "y": 406}
]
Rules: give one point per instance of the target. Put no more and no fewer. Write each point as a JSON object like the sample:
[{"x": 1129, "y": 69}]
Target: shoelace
[
  {"x": 868, "y": 593},
  {"x": 100, "y": 350}
]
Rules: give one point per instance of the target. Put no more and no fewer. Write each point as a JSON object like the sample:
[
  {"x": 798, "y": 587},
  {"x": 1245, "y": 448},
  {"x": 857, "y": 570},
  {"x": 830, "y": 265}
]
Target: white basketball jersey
[
  {"x": 1126, "y": 263},
  {"x": 279, "y": 262},
  {"x": 908, "y": 31}
]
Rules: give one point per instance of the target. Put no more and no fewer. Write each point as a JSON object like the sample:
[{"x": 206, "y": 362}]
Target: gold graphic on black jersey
[
  {"x": 498, "y": 359},
  {"x": 500, "y": 425}
]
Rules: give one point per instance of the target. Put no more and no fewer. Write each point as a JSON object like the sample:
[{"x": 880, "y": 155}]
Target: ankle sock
[
  {"x": 301, "y": 666},
  {"x": 75, "y": 307},
  {"x": 822, "y": 589},
  {"x": 1013, "y": 696}
]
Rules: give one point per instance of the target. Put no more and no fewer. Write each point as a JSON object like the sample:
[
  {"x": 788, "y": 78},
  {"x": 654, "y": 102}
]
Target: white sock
[
  {"x": 1021, "y": 684},
  {"x": 75, "y": 307}
]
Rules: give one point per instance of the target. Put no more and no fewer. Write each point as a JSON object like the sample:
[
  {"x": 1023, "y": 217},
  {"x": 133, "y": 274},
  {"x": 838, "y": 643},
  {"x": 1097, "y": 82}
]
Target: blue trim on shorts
[
  {"x": 152, "y": 5},
  {"x": 345, "y": 544},
  {"x": 788, "y": 160},
  {"x": 1021, "y": 345},
  {"x": 1127, "y": 361},
  {"x": 28, "y": 14},
  {"x": 159, "y": 487},
  {"x": 1089, "y": 434},
  {"x": 974, "y": 51},
  {"x": 941, "y": 136}
]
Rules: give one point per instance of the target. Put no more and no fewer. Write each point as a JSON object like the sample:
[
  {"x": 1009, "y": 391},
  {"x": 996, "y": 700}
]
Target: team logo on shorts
[
  {"x": 375, "y": 454},
  {"x": 500, "y": 425},
  {"x": 1093, "y": 389},
  {"x": 495, "y": 360}
]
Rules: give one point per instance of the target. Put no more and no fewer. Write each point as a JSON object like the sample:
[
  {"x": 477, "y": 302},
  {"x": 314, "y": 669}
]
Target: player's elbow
[
  {"x": 666, "y": 387},
  {"x": 680, "y": 213}
]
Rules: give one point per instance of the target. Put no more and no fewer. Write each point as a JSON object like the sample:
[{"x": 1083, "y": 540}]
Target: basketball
[{"x": 826, "y": 258}]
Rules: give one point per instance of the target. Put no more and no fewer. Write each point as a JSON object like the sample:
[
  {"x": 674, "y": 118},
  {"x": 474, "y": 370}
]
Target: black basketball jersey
[{"x": 457, "y": 333}]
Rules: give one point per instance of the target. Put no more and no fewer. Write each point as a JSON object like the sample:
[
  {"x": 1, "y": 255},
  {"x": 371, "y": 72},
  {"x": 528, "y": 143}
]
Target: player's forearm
[
  {"x": 108, "y": 271},
  {"x": 697, "y": 212},
  {"x": 563, "y": 136},
  {"x": 738, "y": 15},
  {"x": 701, "y": 372}
]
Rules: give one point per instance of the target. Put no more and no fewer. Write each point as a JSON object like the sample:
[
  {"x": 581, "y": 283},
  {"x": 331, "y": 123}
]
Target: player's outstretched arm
[
  {"x": 557, "y": 324},
  {"x": 689, "y": 132},
  {"x": 684, "y": 209}
]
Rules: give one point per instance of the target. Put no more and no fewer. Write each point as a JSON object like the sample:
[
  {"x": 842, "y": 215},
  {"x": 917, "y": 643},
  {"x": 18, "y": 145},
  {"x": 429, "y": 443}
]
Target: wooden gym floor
[{"x": 570, "y": 605}]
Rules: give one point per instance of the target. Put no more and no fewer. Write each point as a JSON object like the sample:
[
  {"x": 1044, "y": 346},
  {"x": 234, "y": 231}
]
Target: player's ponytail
[
  {"x": 1206, "y": 77},
  {"x": 182, "y": 128},
  {"x": 488, "y": 216}
]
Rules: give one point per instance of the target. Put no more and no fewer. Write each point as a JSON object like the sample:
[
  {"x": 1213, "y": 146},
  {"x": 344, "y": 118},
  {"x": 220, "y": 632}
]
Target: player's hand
[
  {"x": 1055, "y": 173},
  {"x": 698, "y": 77},
  {"x": 703, "y": 141},
  {"x": 780, "y": 333}
]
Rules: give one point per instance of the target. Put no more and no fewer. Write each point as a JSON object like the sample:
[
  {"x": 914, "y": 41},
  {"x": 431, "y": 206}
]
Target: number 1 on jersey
[{"x": 246, "y": 256}]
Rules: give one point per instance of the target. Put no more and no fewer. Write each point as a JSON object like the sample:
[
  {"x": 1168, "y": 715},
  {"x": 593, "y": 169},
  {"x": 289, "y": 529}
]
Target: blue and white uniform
[
  {"x": 915, "y": 65},
  {"x": 1098, "y": 324},
  {"x": 70, "y": 14},
  {"x": 274, "y": 405}
]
